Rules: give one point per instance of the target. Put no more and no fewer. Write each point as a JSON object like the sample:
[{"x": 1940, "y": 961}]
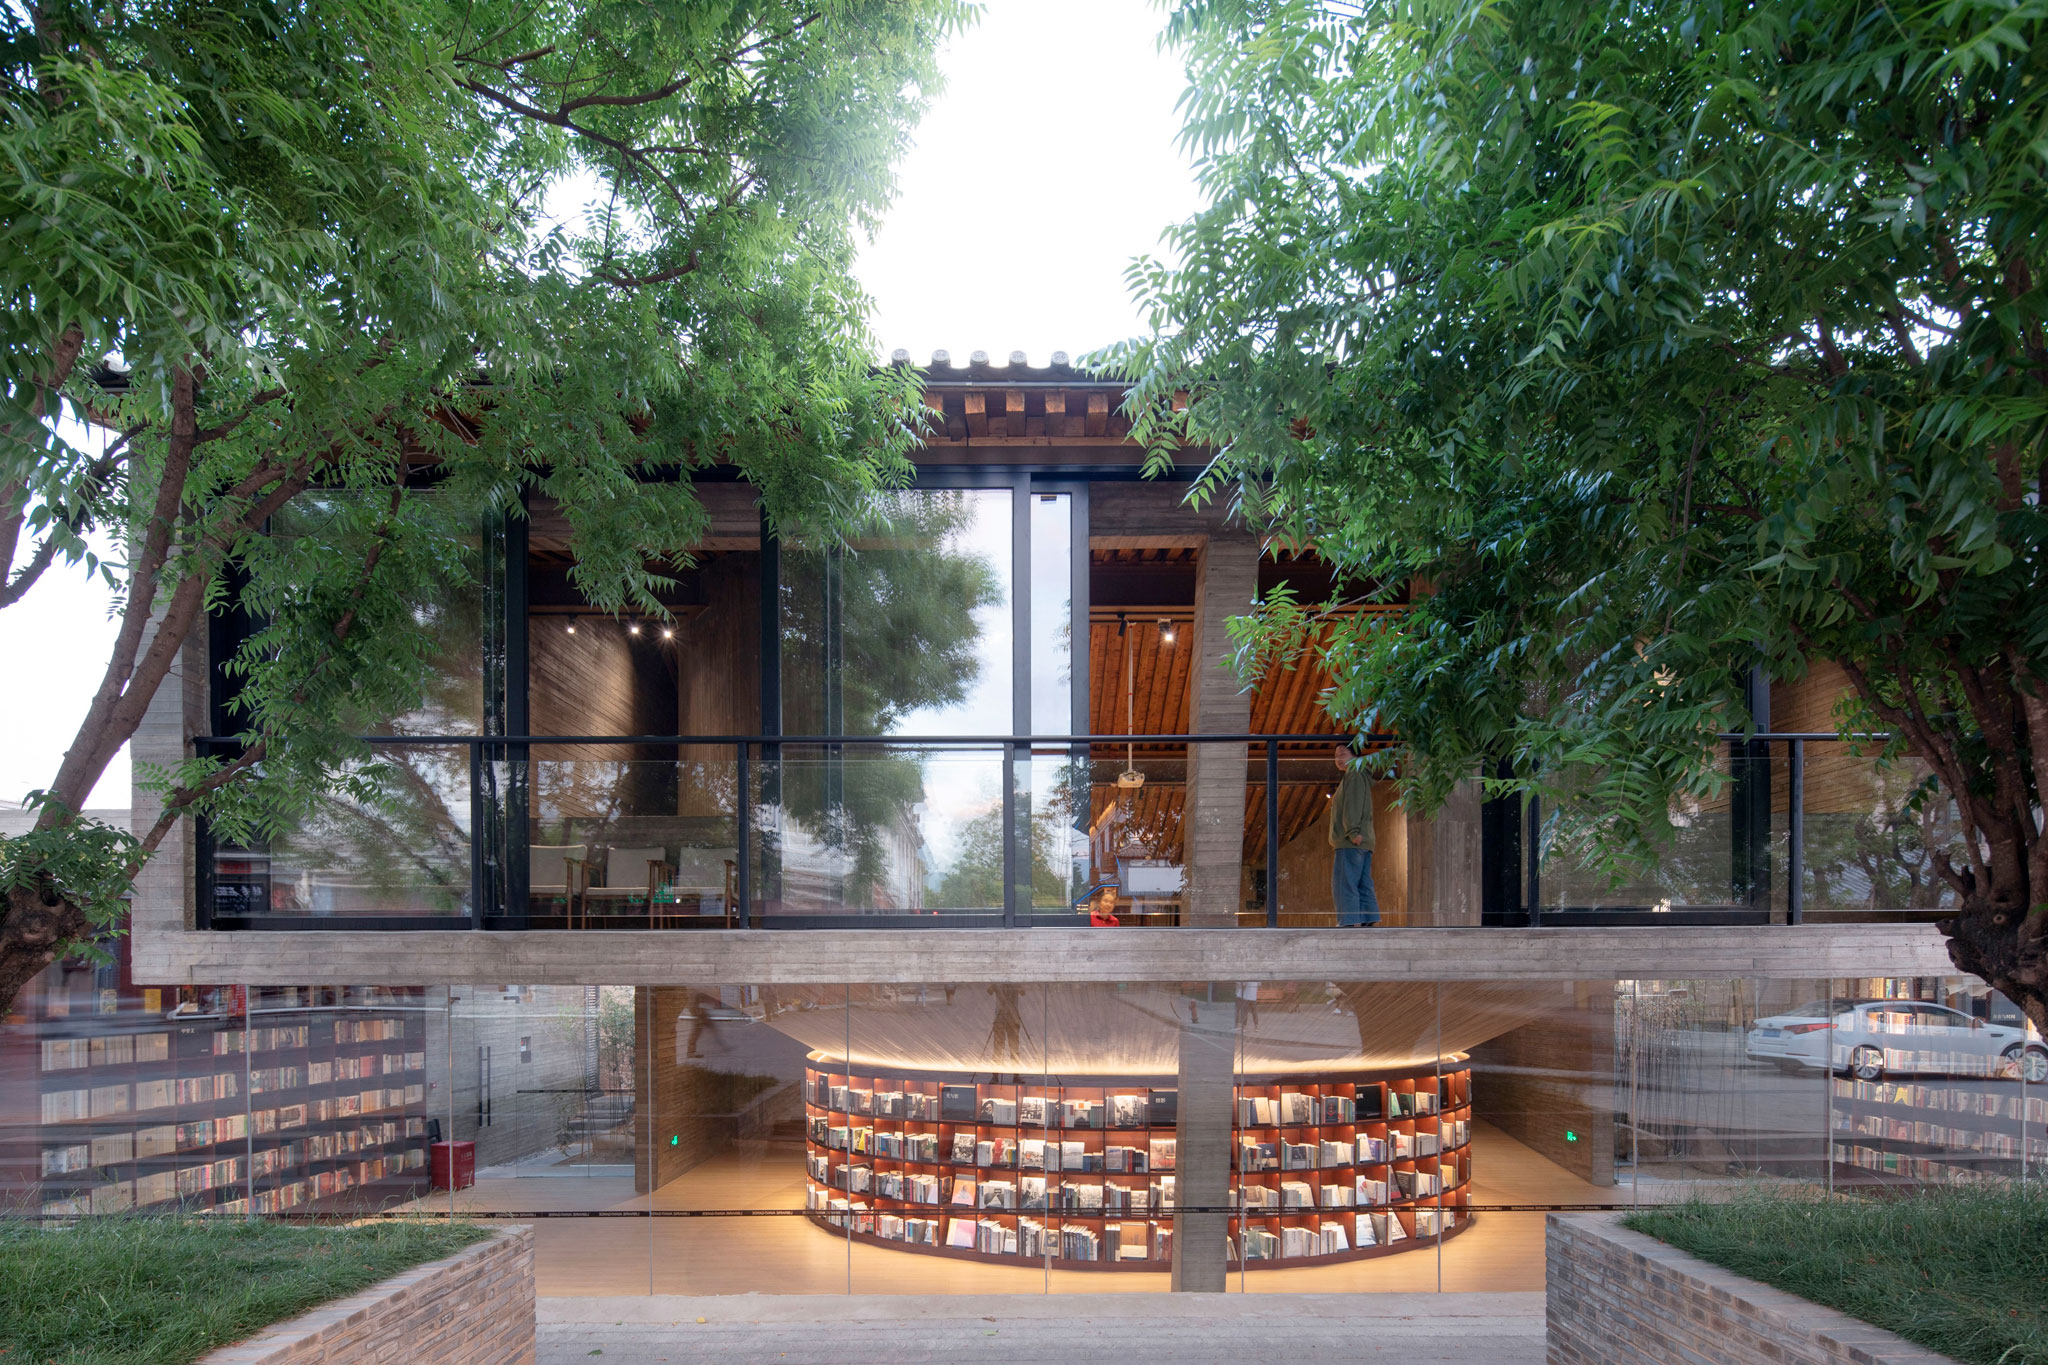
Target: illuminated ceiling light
[
  {"x": 668, "y": 633},
  {"x": 633, "y": 629},
  {"x": 572, "y": 625},
  {"x": 1165, "y": 631}
]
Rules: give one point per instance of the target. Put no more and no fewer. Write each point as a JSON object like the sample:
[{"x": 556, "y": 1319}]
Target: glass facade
[{"x": 991, "y": 1137}]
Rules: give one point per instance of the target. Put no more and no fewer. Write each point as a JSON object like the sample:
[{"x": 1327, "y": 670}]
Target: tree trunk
[
  {"x": 2007, "y": 950},
  {"x": 34, "y": 924}
]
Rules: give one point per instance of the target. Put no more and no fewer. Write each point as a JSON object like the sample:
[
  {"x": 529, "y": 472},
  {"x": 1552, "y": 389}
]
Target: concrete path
[{"x": 1112, "y": 1329}]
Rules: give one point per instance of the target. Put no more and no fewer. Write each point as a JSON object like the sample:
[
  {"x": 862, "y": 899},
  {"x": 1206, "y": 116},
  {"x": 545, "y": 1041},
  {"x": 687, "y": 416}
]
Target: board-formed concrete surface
[
  {"x": 165, "y": 953},
  {"x": 1117, "y": 1329}
]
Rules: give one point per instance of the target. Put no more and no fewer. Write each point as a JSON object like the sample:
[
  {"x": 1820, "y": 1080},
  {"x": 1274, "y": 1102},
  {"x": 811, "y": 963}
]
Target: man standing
[{"x": 1351, "y": 838}]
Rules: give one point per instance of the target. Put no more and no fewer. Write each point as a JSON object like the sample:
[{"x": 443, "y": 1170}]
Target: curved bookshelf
[{"x": 1081, "y": 1174}]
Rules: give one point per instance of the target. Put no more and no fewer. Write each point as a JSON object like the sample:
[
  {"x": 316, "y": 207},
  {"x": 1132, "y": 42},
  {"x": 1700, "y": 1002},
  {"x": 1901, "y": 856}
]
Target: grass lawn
[
  {"x": 163, "y": 1291},
  {"x": 1963, "y": 1271}
]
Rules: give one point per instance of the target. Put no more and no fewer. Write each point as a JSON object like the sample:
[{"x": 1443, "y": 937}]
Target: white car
[{"x": 1872, "y": 1039}]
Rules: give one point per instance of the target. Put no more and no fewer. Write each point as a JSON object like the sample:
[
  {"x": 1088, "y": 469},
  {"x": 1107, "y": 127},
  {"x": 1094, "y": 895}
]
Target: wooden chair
[
  {"x": 558, "y": 871},
  {"x": 708, "y": 874},
  {"x": 632, "y": 874}
]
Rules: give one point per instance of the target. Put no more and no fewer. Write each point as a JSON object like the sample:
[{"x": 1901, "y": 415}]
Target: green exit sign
[{"x": 1570, "y": 1136}]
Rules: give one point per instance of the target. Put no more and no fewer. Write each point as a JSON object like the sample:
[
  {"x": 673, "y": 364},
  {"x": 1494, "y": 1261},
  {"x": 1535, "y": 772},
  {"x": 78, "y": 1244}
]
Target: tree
[
  {"x": 1657, "y": 341},
  {"x": 314, "y": 243}
]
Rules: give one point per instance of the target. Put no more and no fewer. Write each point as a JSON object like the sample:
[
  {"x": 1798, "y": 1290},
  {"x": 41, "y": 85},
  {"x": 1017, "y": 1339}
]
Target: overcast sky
[{"x": 1050, "y": 161}]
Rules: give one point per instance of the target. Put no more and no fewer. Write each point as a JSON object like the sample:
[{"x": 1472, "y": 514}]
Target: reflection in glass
[{"x": 904, "y": 630}]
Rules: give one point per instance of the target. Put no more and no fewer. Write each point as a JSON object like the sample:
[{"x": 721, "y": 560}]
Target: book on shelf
[
  {"x": 1403, "y": 1145},
  {"x": 1258, "y": 1156},
  {"x": 1369, "y": 1191},
  {"x": 1339, "y": 1109},
  {"x": 1075, "y": 1156},
  {"x": 964, "y": 1192},
  {"x": 837, "y": 1137},
  {"x": 997, "y": 1194},
  {"x": 960, "y": 1233},
  {"x": 1160, "y": 1152},
  {"x": 860, "y": 1179},
  {"x": 1124, "y": 1160},
  {"x": 1256, "y": 1111},
  {"x": 1371, "y": 1102},
  {"x": 1031, "y": 1111},
  {"x": 863, "y": 1140},
  {"x": 1159, "y": 1194},
  {"x": 1371, "y": 1151},
  {"x": 956, "y": 1103},
  {"x": 1031, "y": 1192},
  {"x": 1427, "y": 1144},
  {"x": 1122, "y": 1198},
  {"x": 863, "y": 1101},
  {"x": 1032, "y": 1155},
  {"x": 1080, "y": 1114},
  {"x": 1297, "y": 1108},
  {"x": 1261, "y": 1245},
  {"x": 1296, "y": 1194},
  {"x": 1128, "y": 1111},
  {"x": 1418, "y": 1184},
  {"x": 1338, "y": 1196},
  {"x": 1330, "y": 1152},
  {"x": 836, "y": 1098},
  {"x": 889, "y": 1104},
  {"x": 963, "y": 1149},
  {"x": 1429, "y": 1222},
  {"x": 1386, "y": 1228},
  {"x": 1297, "y": 1156},
  {"x": 1085, "y": 1199},
  {"x": 1259, "y": 1196},
  {"x": 999, "y": 1111},
  {"x": 1362, "y": 1235},
  {"x": 1132, "y": 1240},
  {"x": 1164, "y": 1107}
]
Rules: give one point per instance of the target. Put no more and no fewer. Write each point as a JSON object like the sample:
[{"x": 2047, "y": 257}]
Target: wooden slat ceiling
[{"x": 1286, "y": 701}]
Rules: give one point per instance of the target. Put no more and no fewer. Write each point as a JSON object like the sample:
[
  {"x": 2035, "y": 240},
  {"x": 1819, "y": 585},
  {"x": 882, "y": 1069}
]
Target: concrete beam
[{"x": 831, "y": 956}]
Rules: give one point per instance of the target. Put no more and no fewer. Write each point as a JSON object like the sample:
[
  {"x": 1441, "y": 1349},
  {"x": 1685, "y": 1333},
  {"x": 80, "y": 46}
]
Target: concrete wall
[
  {"x": 473, "y": 1308},
  {"x": 530, "y": 1103},
  {"x": 1615, "y": 1297},
  {"x": 1543, "y": 1080}
]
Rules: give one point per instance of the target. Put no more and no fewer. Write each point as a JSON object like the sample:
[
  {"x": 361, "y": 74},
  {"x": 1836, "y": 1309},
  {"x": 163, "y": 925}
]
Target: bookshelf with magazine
[
  {"x": 1949, "y": 1130},
  {"x": 1081, "y": 1173},
  {"x": 1350, "y": 1166},
  {"x": 180, "y": 1098}
]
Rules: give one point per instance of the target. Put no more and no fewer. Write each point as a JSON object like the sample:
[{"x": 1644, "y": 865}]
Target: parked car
[{"x": 1871, "y": 1039}]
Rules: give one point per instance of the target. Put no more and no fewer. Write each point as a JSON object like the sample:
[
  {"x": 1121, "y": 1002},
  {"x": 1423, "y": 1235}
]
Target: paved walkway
[{"x": 1114, "y": 1329}]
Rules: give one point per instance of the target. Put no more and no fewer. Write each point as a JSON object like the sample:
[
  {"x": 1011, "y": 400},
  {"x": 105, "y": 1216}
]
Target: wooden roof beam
[
  {"x": 1098, "y": 413},
  {"x": 975, "y": 406}
]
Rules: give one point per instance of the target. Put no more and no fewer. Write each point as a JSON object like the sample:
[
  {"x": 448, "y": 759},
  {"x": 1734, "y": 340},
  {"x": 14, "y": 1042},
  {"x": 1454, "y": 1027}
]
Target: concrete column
[
  {"x": 1208, "y": 1058},
  {"x": 1212, "y": 821},
  {"x": 1444, "y": 861}
]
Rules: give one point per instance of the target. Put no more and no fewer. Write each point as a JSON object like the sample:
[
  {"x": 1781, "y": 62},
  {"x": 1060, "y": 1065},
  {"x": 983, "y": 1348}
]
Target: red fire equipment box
[{"x": 454, "y": 1165}]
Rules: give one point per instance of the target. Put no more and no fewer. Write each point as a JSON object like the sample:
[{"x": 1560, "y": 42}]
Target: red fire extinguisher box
[{"x": 453, "y": 1164}]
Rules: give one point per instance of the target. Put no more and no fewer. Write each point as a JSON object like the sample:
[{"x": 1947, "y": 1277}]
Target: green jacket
[{"x": 1351, "y": 809}]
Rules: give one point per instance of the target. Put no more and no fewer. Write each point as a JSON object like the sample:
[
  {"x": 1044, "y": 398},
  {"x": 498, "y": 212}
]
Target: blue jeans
[{"x": 1351, "y": 887}]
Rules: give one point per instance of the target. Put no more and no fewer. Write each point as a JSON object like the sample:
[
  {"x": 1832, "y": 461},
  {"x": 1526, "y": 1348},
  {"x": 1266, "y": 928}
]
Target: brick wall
[
  {"x": 473, "y": 1308},
  {"x": 1615, "y": 1297}
]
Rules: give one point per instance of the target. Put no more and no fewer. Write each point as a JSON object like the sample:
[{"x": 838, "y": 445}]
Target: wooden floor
[{"x": 787, "y": 1254}]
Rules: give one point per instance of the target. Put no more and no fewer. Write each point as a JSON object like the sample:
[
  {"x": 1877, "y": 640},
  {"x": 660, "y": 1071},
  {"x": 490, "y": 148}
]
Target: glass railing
[{"x": 1138, "y": 831}]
